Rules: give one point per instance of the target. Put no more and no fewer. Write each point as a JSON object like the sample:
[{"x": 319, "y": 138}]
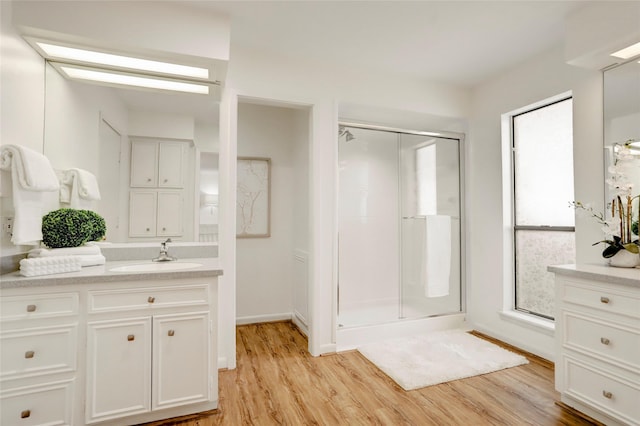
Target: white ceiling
[{"x": 458, "y": 42}]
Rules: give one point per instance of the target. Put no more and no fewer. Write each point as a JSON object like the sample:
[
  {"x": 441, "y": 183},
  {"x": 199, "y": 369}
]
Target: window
[{"x": 543, "y": 223}]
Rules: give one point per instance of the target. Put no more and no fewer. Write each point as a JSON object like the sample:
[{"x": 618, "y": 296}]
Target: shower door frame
[{"x": 460, "y": 137}]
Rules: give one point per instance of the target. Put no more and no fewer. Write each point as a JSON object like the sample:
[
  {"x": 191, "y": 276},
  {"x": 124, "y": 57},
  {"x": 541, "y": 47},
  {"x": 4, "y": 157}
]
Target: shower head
[{"x": 342, "y": 131}]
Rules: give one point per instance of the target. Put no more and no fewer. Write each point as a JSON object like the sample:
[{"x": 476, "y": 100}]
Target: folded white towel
[
  {"x": 34, "y": 170},
  {"x": 92, "y": 259},
  {"x": 82, "y": 187},
  {"x": 47, "y": 266},
  {"x": 65, "y": 251},
  {"x": 31, "y": 177}
]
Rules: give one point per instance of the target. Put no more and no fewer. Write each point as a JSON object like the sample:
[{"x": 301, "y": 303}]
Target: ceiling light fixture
[
  {"x": 123, "y": 79},
  {"x": 59, "y": 52},
  {"x": 628, "y": 52}
]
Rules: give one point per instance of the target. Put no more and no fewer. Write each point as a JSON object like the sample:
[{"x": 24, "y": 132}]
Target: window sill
[{"x": 539, "y": 324}]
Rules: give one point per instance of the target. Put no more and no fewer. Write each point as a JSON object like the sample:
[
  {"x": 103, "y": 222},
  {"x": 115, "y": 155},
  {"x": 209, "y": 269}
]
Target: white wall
[
  {"x": 21, "y": 105},
  {"x": 540, "y": 78},
  {"x": 264, "y": 282}
]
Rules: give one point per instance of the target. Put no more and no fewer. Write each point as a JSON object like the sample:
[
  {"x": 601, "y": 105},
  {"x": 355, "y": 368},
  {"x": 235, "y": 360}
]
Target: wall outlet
[{"x": 7, "y": 226}]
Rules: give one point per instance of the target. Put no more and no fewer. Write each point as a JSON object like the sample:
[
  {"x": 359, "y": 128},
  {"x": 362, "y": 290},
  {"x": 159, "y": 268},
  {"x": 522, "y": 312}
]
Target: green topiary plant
[{"x": 71, "y": 228}]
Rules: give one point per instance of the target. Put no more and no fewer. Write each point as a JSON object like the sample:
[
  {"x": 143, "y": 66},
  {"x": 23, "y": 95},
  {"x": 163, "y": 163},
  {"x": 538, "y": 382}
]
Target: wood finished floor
[{"x": 278, "y": 383}]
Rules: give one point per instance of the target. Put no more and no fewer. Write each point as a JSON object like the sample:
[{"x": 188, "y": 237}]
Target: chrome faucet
[{"x": 164, "y": 253}]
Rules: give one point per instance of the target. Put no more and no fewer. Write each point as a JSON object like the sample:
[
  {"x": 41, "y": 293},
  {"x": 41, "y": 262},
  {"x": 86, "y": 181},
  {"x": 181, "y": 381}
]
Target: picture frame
[{"x": 253, "y": 198}]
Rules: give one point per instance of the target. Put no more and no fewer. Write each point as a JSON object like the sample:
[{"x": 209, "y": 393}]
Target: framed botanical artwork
[{"x": 253, "y": 202}]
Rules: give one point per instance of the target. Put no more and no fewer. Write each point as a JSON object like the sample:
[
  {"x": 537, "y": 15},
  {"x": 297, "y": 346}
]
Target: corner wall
[{"x": 540, "y": 78}]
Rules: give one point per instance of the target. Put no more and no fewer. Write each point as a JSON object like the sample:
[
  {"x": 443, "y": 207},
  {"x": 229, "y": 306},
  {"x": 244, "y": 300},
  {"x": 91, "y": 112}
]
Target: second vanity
[{"x": 119, "y": 343}]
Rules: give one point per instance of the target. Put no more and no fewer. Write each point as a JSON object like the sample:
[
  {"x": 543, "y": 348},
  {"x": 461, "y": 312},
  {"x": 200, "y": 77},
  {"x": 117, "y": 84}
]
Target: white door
[
  {"x": 170, "y": 216},
  {"x": 109, "y": 178},
  {"x": 170, "y": 155},
  {"x": 181, "y": 364},
  {"x": 118, "y": 368},
  {"x": 142, "y": 213},
  {"x": 144, "y": 164}
]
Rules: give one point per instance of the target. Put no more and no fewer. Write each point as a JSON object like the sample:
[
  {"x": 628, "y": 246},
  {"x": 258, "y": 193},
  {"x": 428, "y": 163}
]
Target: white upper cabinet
[{"x": 157, "y": 164}]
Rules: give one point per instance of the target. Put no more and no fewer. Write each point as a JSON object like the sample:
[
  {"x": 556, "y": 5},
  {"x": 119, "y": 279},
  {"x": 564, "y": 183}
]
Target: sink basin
[{"x": 156, "y": 267}]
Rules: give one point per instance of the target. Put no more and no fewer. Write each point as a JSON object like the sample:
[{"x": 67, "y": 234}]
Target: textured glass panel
[
  {"x": 543, "y": 141},
  {"x": 535, "y": 250}
]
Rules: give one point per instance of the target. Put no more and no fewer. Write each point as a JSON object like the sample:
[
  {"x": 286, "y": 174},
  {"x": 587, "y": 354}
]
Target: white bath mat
[{"x": 425, "y": 360}]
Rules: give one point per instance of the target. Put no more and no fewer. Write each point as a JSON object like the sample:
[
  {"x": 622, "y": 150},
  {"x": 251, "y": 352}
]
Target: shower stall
[{"x": 400, "y": 228}]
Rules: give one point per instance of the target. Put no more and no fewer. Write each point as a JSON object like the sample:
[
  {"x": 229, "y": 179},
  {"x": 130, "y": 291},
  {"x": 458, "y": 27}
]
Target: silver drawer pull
[
  {"x": 604, "y": 299},
  {"x": 131, "y": 338},
  {"x": 151, "y": 299},
  {"x": 607, "y": 394},
  {"x": 171, "y": 333},
  {"x": 29, "y": 354},
  {"x": 25, "y": 414},
  {"x": 604, "y": 341},
  {"x": 31, "y": 308}
]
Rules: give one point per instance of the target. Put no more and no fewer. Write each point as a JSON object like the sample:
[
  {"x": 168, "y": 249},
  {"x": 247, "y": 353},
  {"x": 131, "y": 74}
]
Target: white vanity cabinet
[
  {"x": 157, "y": 164},
  {"x": 597, "y": 367},
  {"x": 114, "y": 352},
  {"x": 38, "y": 358}
]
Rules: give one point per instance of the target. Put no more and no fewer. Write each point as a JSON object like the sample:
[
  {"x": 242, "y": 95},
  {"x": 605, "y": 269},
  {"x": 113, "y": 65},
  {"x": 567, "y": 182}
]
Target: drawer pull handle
[
  {"x": 607, "y": 395},
  {"x": 131, "y": 338},
  {"x": 604, "y": 299},
  {"x": 151, "y": 299},
  {"x": 171, "y": 333},
  {"x": 31, "y": 308},
  {"x": 29, "y": 354},
  {"x": 25, "y": 414},
  {"x": 604, "y": 341}
]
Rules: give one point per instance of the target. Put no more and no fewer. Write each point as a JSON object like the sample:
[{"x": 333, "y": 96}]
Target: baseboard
[
  {"x": 255, "y": 319},
  {"x": 300, "y": 322}
]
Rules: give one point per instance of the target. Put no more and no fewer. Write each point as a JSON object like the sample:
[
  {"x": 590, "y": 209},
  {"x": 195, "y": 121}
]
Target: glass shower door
[{"x": 430, "y": 226}]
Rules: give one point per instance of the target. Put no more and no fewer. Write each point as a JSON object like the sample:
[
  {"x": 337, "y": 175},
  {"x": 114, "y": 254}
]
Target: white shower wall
[{"x": 368, "y": 222}]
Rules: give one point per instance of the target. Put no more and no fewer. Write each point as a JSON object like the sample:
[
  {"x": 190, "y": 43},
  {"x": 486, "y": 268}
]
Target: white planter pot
[{"x": 625, "y": 259}]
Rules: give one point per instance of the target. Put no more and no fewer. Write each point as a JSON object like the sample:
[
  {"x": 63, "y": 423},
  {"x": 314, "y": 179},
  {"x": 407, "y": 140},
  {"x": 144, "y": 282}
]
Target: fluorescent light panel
[
  {"x": 628, "y": 52},
  {"x": 131, "y": 80},
  {"x": 99, "y": 58}
]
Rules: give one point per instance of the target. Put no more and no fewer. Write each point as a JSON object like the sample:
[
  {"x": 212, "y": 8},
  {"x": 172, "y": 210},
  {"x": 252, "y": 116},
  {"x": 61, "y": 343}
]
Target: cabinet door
[
  {"x": 118, "y": 368},
  {"x": 142, "y": 213},
  {"x": 170, "y": 165},
  {"x": 181, "y": 361},
  {"x": 144, "y": 164},
  {"x": 169, "y": 214}
]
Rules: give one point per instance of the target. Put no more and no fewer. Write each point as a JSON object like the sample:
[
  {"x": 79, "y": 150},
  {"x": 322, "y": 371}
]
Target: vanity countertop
[
  {"x": 103, "y": 273},
  {"x": 610, "y": 274}
]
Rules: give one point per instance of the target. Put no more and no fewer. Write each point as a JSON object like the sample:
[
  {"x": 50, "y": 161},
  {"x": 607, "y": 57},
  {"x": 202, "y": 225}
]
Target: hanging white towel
[
  {"x": 31, "y": 176},
  {"x": 82, "y": 187},
  {"x": 437, "y": 255}
]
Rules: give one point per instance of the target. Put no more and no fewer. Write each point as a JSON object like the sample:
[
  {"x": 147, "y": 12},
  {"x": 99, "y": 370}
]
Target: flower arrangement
[{"x": 621, "y": 228}]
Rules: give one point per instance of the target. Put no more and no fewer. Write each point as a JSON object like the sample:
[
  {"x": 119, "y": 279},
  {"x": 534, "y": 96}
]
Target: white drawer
[
  {"x": 38, "y": 351},
  {"x": 49, "y": 404},
  {"x": 148, "y": 298},
  {"x": 602, "y": 298},
  {"x": 612, "y": 395},
  {"x": 38, "y": 306},
  {"x": 616, "y": 343}
]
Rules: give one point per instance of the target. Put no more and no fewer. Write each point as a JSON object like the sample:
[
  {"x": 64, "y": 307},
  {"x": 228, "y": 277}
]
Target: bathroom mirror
[
  {"x": 93, "y": 127},
  {"x": 622, "y": 115}
]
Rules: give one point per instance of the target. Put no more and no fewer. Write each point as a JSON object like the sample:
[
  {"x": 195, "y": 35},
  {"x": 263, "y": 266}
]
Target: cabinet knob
[
  {"x": 131, "y": 338},
  {"x": 604, "y": 299},
  {"x": 166, "y": 180},
  {"x": 25, "y": 414},
  {"x": 171, "y": 332},
  {"x": 29, "y": 354},
  {"x": 148, "y": 229},
  {"x": 604, "y": 341},
  {"x": 607, "y": 394},
  {"x": 148, "y": 179},
  {"x": 164, "y": 229},
  {"x": 151, "y": 299},
  {"x": 31, "y": 308}
]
